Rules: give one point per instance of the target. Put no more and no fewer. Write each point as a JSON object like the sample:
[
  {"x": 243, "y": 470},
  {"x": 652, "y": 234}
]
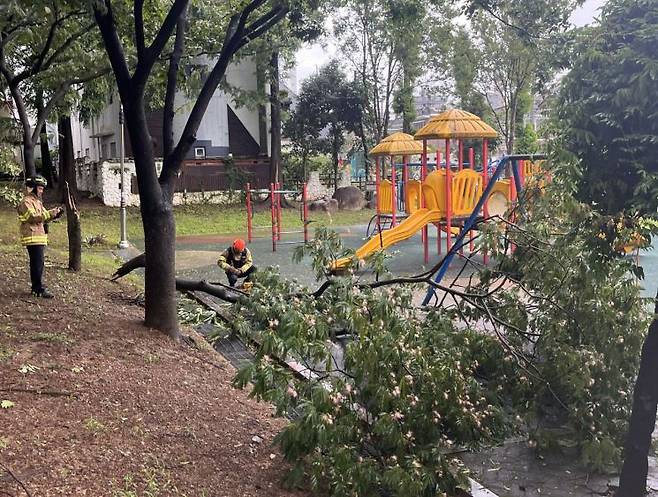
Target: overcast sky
[{"x": 311, "y": 57}]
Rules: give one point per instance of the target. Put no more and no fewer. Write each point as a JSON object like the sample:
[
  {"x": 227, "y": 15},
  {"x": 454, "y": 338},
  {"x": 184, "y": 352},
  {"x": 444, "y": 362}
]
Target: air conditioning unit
[{"x": 199, "y": 152}]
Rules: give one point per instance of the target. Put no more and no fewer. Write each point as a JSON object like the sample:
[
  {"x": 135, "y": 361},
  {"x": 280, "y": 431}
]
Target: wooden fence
[{"x": 214, "y": 175}]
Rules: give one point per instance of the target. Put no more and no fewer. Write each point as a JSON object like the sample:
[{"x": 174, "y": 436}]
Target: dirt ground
[{"x": 95, "y": 404}]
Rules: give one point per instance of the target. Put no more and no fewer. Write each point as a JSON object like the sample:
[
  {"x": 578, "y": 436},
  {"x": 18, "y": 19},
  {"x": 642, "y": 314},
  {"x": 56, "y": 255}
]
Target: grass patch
[
  {"x": 55, "y": 338},
  {"x": 93, "y": 425},
  {"x": 102, "y": 222},
  {"x": 150, "y": 358},
  {"x": 6, "y": 353},
  {"x": 151, "y": 482}
]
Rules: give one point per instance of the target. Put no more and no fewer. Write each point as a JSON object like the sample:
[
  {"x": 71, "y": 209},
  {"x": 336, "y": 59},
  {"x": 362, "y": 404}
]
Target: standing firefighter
[
  {"x": 33, "y": 216},
  {"x": 237, "y": 263}
]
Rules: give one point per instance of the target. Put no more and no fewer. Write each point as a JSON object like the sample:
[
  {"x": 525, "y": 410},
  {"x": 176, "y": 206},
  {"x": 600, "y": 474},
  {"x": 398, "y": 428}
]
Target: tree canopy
[
  {"x": 329, "y": 106},
  {"x": 608, "y": 108},
  {"x": 47, "y": 48}
]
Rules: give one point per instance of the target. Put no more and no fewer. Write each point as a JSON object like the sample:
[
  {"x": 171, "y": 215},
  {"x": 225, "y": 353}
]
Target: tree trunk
[
  {"x": 262, "y": 110},
  {"x": 304, "y": 166},
  {"x": 160, "y": 275},
  {"x": 334, "y": 155},
  {"x": 46, "y": 161},
  {"x": 28, "y": 157},
  {"x": 67, "y": 176},
  {"x": 633, "y": 478},
  {"x": 364, "y": 144},
  {"x": 275, "y": 111},
  {"x": 158, "y": 223},
  {"x": 408, "y": 110},
  {"x": 512, "y": 127}
]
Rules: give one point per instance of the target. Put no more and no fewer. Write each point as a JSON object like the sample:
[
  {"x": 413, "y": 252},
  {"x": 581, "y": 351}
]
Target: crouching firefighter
[
  {"x": 237, "y": 263},
  {"x": 33, "y": 217}
]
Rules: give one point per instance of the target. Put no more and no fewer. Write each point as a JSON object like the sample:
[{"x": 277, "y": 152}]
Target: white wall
[
  {"x": 103, "y": 130},
  {"x": 243, "y": 76}
]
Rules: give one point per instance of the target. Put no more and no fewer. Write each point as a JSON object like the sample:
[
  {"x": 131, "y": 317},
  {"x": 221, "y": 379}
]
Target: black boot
[{"x": 44, "y": 294}]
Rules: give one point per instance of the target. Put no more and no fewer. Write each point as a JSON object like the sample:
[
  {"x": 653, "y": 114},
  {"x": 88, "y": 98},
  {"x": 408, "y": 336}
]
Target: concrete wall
[
  {"x": 104, "y": 181},
  {"x": 316, "y": 190}
]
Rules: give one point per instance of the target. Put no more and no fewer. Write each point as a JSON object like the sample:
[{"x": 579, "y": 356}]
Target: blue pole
[{"x": 476, "y": 212}]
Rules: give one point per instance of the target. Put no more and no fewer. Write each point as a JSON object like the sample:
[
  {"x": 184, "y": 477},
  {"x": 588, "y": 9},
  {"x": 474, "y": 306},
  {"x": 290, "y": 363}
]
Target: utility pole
[{"x": 123, "y": 242}]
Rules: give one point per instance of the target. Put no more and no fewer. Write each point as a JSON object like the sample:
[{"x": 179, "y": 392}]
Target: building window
[
  {"x": 104, "y": 151},
  {"x": 113, "y": 149},
  {"x": 78, "y": 154},
  {"x": 199, "y": 152},
  {"x": 86, "y": 152}
]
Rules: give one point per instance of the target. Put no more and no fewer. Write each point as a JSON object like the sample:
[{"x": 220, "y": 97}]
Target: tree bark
[
  {"x": 28, "y": 158},
  {"x": 46, "y": 160},
  {"x": 67, "y": 175},
  {"x": 262, "y": 110},
  {"x": 275, "y": 118},
  {"x": 364, "y": 144},
  {"x": 216, "y": 290},
  {"x": 156, "y": 207},
  {"x": 633, "y": 478},
  {"x": 334, "y": 153}
]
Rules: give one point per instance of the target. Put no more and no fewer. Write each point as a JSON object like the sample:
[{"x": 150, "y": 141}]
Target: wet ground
[
  {"x": 197, "y": 256},
  {"x": 515, "y": 470}
]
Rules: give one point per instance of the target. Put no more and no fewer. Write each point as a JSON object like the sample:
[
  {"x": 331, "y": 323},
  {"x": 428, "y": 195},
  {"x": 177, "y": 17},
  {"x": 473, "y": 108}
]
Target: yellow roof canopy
[
  {"x": 397, "y": 144},
  {"x": 455, "y": 123}
]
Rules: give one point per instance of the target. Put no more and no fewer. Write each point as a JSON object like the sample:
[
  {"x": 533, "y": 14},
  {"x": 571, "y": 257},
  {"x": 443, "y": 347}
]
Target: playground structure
[
  {"x": 450, "y": 200},
  {"x": 274, "y": 194}
]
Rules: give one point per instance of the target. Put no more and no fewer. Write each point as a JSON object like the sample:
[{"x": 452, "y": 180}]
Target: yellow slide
[{"x": 406, "y": 229}]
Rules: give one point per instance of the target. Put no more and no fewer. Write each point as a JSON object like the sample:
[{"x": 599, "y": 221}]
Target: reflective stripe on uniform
[
  {"x": 34, "y": 240},
  {"x": 32, "y": 214}
]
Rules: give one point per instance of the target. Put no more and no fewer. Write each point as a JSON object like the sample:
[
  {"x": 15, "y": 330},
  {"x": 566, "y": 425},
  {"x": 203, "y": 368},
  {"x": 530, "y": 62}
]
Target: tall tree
[
  {"x": 46, "y": 50},
  {"x": 275, "y": 118},
  {"x": 327, "y": 109},
  {"x": 521, "y": 46},
  {"x": 69, "y": 189},
  {"x": 148, "y": 34},
  {"x": 363, "y": 31},
  {"x": 607, "y": 111}
]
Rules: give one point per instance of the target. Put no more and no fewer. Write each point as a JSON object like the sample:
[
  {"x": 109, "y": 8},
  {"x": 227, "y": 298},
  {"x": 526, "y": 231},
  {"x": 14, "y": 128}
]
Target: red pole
[
  {"x": 305, "y": 212},
  {"x": 278, "y": 212},
  {"x": 438, "y": 225},
  {"x": 461, "y": 154},
  {"x": 248, "y": 212},
  {"x": 405, "y": 180},
  {"x": 273, "y": 211},
  {"x": 394, "y": 199},
  {"x": 448, "y": 199},
  {"x": 512, "y": 196},
  {"x": 485, "y": 180},
  {"x": 423, "y": 175},
  {"x": 377, "y": 180},
  {"x": 471, "y": 164}
]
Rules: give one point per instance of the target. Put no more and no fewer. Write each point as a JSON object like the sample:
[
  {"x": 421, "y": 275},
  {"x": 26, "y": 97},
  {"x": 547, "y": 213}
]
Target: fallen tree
[{"x": 215, "y": 289}]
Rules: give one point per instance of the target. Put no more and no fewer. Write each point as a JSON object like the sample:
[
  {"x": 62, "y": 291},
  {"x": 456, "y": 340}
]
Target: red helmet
[{"x": 239, "y": 245}]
